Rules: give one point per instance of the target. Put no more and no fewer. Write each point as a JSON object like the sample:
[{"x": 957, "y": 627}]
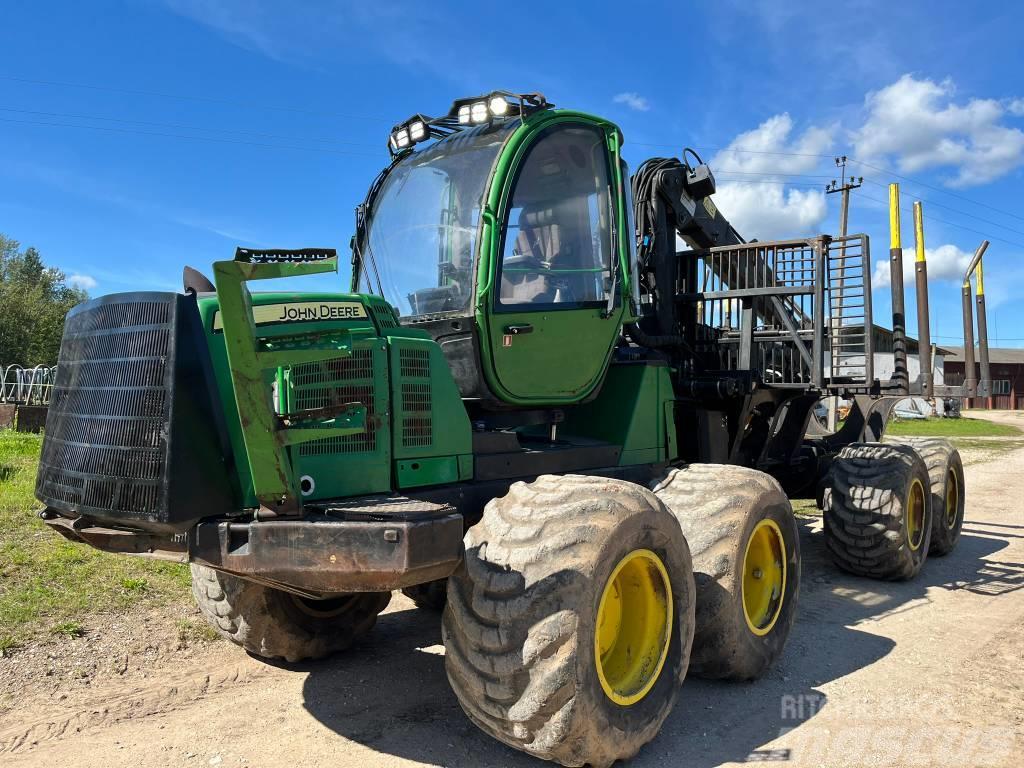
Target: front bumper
[{"x": 365, "y": 545}]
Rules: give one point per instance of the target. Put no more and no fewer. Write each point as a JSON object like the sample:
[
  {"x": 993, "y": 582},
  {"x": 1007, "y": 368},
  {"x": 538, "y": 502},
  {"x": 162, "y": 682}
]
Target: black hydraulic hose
[{"x": 642, "y": 339}]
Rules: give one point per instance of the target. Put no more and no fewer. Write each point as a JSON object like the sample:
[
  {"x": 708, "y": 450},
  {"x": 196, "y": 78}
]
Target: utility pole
[{"x": 843, "y": 187}]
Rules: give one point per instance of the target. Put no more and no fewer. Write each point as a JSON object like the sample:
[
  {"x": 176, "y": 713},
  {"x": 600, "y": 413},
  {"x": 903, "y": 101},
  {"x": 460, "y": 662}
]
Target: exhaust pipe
[{"x": 924, "y": 332}]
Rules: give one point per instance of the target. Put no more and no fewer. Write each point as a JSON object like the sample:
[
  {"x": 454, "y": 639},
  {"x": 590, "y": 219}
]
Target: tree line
[{"x": 34, "y": 299}]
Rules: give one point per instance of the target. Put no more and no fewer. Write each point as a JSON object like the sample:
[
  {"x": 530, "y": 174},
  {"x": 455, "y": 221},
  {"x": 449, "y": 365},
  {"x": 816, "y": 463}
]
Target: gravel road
[{"x": 926, "y": 673}]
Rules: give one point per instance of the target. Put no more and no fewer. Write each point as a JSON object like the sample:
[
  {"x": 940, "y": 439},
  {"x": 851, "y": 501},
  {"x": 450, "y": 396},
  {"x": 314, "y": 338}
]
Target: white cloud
[
  {"x": 767, "y": 211},
  {"x": 771, "y": 148},
  {"x": 918, "y": 123},
  {"x": 947, "y": 262},
  {"x": 763, "y": 207},
  {"x": 633, "y": 101},
  {"x": 85, "y": 282}
]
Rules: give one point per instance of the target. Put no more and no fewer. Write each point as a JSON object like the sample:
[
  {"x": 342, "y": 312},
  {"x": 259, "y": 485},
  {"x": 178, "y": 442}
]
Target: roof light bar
[{"x": 464, "y": 113}]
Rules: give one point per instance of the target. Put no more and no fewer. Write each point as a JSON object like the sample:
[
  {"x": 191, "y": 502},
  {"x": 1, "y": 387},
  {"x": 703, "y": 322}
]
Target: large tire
[
  {"x": 946, "y": 473},
  {"x": 723, "y": 510},
  {"x": 524, "y": 649},
  {"x": 278, "y": 625},
  {"x": 431, "y": 596},
  {"x": 878, "y": 511}
]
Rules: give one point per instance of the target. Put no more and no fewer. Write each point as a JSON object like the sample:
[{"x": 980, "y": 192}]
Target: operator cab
[{"x": 504, "y": 241}]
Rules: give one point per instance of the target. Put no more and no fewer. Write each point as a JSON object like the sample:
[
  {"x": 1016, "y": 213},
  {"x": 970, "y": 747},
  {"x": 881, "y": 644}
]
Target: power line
[
  {"x": 185, "y": 127},
  {"x": 936, "y": 189},
  {"x": 864, "y": 163},
  {"x": 772, "y": 173},
  {"x": 949, "y": 223},
  {"x": 192, "y": 97},
  {"x": 957, "y": 211},
  {"x": 377, "y": 118},
  {"x": 323, "y": 150},
  {"x": 730, "y": 149},
  {"x": 755, "y": 182},
  {"x": 867, "y": 181}
]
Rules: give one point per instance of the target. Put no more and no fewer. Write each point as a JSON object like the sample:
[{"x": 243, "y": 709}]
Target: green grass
[
  {"x": 49, "y": 585},
  {"x": 962, "y": 427}
]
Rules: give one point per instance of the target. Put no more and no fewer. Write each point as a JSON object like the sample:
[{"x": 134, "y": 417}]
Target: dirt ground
[{"x": 926, "y": 673}]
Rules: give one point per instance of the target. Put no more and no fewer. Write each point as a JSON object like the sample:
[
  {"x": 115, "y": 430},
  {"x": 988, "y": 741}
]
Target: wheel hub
[
  {"x": 634, "y": 623},
  {"x": 952, "y": 499},
  {"x": 326, "y": 608},
  {"x": 764, "y": 577},
  {"x": 915, "y": 514}
]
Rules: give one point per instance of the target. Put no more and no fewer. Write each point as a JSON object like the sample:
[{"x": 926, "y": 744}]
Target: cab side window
[{"x": 557, "y": 247}]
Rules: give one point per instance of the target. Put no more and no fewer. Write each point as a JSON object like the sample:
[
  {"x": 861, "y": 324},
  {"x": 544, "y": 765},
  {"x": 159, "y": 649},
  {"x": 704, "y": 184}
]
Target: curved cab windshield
[{"x": 421, "y": 239}]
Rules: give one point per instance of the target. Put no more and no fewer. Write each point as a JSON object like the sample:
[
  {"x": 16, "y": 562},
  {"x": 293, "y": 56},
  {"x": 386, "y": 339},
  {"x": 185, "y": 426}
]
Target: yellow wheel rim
[
  {"x": 952, "y": 499},
  {"x": 764, "y": 577},
  {"x": 634, "y": 627},
  {"x": 915, "y": 515}
]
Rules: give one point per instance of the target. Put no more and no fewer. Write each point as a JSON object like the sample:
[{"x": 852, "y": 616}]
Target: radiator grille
[
  {"x": 414, "y": 363},
  {"x": 345, "y": 380},
  {"x": 105, "y": 446},
  {"x": 383, "y": 316},
  {"x": 417, "y": 421}
]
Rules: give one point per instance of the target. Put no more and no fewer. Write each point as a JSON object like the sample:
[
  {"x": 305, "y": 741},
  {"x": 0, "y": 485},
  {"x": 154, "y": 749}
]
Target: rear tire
[
  {"x": 878, "y": 511},
  {"x": 274, "y": 624},
  {"x": 430, "y": 596},
  {"x": 537, "y": 610},
  {"x": 723, "y": 509},
  {"x": 946, "y": 473}
]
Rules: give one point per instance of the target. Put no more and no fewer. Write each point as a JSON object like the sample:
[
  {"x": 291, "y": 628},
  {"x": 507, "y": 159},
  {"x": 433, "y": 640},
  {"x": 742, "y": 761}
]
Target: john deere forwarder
[{"x": 578, "y": 440}]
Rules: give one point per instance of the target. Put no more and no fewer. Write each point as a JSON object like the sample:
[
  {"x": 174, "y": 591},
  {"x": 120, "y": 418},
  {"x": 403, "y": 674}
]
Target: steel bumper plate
[{"x": 340, "y": 551}]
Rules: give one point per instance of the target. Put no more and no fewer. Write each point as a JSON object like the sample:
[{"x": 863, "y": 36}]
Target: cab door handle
[{"x": 518, "y": 330}]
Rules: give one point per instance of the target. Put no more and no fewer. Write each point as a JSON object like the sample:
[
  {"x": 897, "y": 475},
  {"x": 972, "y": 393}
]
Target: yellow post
[
  {"x": 924, "y": 333},
  {"x": 919, "y": 231},
  {"x": 986, "y": 371},
  {"x": 894, "y": 216},
  {"x": 900, "y": 373}
]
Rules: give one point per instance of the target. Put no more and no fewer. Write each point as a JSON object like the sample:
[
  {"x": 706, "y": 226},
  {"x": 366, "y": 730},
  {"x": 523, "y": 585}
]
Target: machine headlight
[
  {"x": 464, "y": 115},
  {"x": 479, "y": 112},
  {"x": 498, "y": 106},
  {"x": 417, "y": 130},
  {"x": 402, "y": 138}
]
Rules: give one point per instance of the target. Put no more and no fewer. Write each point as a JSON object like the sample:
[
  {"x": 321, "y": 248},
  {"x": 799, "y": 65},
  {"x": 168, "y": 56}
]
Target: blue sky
[{"x": 137, "y": 137}]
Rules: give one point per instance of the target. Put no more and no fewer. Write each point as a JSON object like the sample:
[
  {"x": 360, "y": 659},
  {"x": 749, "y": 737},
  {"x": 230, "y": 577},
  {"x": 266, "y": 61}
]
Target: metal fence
[{"x": 26, "y": 386}]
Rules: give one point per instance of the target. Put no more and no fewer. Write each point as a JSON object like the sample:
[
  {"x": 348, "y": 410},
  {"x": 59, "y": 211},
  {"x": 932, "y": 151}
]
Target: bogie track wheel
[
  {"x": 274, "y": 624},
  {"x": 878, "y": 511},
  {"x": 568, "y": 626},
  {"x": 946, "y": 474},
  {"x": 746, "y": 563}
]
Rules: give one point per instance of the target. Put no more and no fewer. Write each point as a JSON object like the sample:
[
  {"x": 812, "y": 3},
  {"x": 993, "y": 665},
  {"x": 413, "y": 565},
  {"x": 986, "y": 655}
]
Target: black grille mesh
[
  {"x": 105, "y": 445},
  {"x": 383, "y": 316},
  {"x": 345, "y": 380}
]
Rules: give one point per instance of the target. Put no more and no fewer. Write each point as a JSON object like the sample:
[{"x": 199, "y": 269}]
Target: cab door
[{"x": 552, "y": 325}]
